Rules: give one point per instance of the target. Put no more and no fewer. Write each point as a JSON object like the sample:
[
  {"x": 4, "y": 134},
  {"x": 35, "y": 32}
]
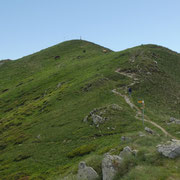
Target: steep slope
[{"x": 46, "y": 96}]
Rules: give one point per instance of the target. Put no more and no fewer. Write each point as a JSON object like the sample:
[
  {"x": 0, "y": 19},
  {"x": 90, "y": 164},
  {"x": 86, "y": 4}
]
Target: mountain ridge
[{"x": 45, "y": 98}]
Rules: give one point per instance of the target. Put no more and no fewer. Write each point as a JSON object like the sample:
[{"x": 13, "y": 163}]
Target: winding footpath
[{"x": 133, "y": 106}]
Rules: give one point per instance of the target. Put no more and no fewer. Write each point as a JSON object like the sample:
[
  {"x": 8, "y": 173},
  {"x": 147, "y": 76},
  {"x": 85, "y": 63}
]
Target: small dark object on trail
[
  {"x": 129, "y": 91},
  {"x": 56, "y": 57},
  {"x": 84, "y": 51}
]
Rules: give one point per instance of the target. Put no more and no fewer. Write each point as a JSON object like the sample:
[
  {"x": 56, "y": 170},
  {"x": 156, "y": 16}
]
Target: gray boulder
[
  {"x": 110, "y": 166},
  {"x": 148, "y": 130},
  {"x": 171, "y": 149},
  {"x": 86, "y": 173}
]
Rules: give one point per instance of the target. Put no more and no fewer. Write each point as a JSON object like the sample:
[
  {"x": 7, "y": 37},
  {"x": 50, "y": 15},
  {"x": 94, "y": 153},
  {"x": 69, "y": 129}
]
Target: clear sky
[{"x": 27, "y": 26}]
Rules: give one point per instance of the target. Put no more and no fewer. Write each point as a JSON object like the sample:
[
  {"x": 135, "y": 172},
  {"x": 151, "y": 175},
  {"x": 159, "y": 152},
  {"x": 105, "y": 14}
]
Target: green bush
[
  {"x": 127, "y": 164},
  {"x": 82, "y": 150}
]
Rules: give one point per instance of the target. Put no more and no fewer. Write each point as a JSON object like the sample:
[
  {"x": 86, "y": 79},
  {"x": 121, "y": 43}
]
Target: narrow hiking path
[{"x": 133, "y": 106}]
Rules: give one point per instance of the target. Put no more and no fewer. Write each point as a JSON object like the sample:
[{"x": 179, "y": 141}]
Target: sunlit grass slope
[{"x": 45, "y": 96}]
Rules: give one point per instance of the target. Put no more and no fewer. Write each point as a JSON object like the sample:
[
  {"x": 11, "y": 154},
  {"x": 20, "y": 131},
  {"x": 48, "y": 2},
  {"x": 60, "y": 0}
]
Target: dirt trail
[{"x": 133, "y": 106}]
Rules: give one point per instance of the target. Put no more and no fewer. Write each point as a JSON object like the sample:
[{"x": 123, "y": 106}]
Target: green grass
[{"x": 42, "y": 133}]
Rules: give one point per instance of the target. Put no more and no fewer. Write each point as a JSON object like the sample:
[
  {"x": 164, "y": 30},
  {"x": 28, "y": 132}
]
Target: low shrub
[
  {"x": 128, "y": 163},
  {"x": 82, "y": 150}
]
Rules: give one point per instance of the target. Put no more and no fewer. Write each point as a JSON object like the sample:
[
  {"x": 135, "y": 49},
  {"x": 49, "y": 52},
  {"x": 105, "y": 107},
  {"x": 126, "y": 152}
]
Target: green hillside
[{"x": 44, "y": 98}]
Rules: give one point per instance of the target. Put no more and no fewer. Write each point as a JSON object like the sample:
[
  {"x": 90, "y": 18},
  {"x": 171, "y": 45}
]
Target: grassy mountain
[{"x": 44, "y": 98}]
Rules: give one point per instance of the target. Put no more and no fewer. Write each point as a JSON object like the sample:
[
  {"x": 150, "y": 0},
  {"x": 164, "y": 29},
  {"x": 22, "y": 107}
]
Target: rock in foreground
[
  {"x": 171, "y": 149},
  {"x": 110, "y": 166},
  {"x": 86, "y": 173}
]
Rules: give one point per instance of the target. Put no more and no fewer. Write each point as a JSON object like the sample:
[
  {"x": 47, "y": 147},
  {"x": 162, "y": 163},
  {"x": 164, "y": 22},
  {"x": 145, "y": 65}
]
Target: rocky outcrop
[
  {"x": 115, "y": 107},
  {"x": 171, "y": 149},
  {"x": 98, "y": 115},
  {"x": 111, "y": 163},
  {"x": 86, "y": 172},
  {"x": 110, "y": 166},
  {"x": 97, "y": 119}
]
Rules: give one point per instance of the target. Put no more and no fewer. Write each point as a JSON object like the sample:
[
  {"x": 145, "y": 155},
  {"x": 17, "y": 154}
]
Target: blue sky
[{"x": 29, "y": 26}]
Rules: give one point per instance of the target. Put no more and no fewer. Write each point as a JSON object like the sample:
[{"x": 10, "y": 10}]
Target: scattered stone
[
  {"x": 125, "y": 138},
  {"x": 115, "y": 107},
  {"x": 110, "y": 166},
  {"x": 85, "y": 119},
  {"x": 86, "y": 173},
  {"x": 97, "y": 119},
  {"x": 174, "y": 120},
  {"x": 38, "y": 136},
  {"x": 141, "y": 134},
  {"x": 97, "y": 116},
  {"x": 132, "y": 59},
  {"x": 155, "y": 62},
  {"x": 59, "y": 85},
  {"x": 64, "y": 141},
  {"x": 171, "y": 149},
  {"x": 148, "y": 130},
  {"x": 126, "y": 152}
]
